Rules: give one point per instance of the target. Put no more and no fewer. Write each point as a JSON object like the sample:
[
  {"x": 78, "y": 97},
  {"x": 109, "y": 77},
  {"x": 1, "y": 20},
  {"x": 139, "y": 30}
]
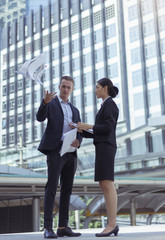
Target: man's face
[{"x": 66, "y": 88}]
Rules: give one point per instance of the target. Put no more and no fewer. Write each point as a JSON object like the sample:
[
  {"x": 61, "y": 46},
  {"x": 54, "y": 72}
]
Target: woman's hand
[
  {"x": 48, "y": 96},
  {"x": 84, "y": 126},
  {"x": 74, "y": 125}
]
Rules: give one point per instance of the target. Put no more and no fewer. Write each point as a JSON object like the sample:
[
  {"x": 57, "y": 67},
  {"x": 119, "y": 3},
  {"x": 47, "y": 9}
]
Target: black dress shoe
[
  {"x": 67, "y": 232},
  {"x": 49, "y": 233},
  {"x": 114, "y": 231}
]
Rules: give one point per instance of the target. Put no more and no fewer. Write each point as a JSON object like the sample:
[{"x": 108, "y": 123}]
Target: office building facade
[
  {"x": 88, "y": 40},
  {"x": 11, "y": 10}
]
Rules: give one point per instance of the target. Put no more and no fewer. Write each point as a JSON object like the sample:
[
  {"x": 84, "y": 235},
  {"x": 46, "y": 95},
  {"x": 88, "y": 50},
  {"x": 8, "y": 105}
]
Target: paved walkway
[{"x": 152, "y": 232}]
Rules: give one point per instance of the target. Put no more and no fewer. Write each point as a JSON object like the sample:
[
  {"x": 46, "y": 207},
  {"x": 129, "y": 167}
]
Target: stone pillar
[
  {"x": 133, "y": 212},
  {"x": 36, "y": 214},
  {"x": 102, "y": 221},
  {"x": 77, "y": 219}
]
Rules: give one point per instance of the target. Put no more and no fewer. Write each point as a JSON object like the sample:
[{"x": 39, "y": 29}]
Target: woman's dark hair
[{"x": 112, "y": 90}]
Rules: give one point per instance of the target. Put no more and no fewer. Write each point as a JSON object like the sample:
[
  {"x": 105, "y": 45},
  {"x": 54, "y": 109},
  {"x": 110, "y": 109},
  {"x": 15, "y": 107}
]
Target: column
[
  {"x": 133, "y": 212},
  {"x": 77, "y": 219},
  {"x": 36, "y": 214}
]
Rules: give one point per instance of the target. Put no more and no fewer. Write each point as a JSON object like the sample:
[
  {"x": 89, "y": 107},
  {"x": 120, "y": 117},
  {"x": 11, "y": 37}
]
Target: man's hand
[
  {"x": 48, "y": 96},
  {"x": 75, "y": 143}
]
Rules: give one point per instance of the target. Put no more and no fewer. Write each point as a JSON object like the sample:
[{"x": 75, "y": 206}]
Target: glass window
[
  {"x": 154, "y": 97},
  {"x": 55, "y": 71},
  {"x": 75, "y": 64},
  {"x": 157, "y": 142},
  {"x": 152, "y": 73},
  {"x": 149, "y": 28},
  {"x": 98, "y": 36},
  {"x": 138, "y": 101},
  {"x": 55, "y": 53},
  {"x": 4, "y": 106},
  {"x": 112, "y": 50},
  {"x": 27, "y": 116},
  {"x": 3, "y": 123},
  {"x": 99, "y": 73},
  {"x": 12, "y": 71},
  {"x": 4, "y": 74},
  {"x": 86, "y": 41},
  {"x": 135, "y": 56},
  {"x": 65, "y": 68},
  {"x": 132, "y": 13},
  {"x": 65, "y": 50},
  {"x": 147, "y": 6},
  {"x": 111, "y": 30},
  {"x": 75, "y": 45},
  {"x": 89, "y": 118},
  {"x": 77, "y": 83},
  {"x": 164, "y": 69},
  {"x": 11, "y": 138},
  {"x": 113, "y": 70},
  {"x": 163, "y": 45},
  {"x": 28, "y": 83},
  {"x": 138, "y": 145},
  {"x": 87, "y": 60},
  {"x": 162, "y": 22},
  {"x": 99, "y": 55},
  {"x": 20, "y": 101},
  {"x": 28, "y": 99},
  {"x": 3, "y": 140},
  {"x": 20, "y": 118},
  {"x": 19, "y": 135},
  {"x": 12, "y": 87},
  {"x": 150, "y": 50},
  {"x": 37, "y": 132},
  {"x": 137, "y": 78},
  {"x": 139, "y": 121},
  {"x": 77, "y": 101},
  {"x": 20, "y": 84},
  {"x": 88, "y": 98},
  {"x": 134, "y": 34},
  {"x": 4, "y": 90},
  {"x": 161, "y": 3},
  {"x": 11, "y": 104},
  {"x": 27, "y": 135},
  {"x": 11, "y": 121},
  {"x": 87, "y": 78}
]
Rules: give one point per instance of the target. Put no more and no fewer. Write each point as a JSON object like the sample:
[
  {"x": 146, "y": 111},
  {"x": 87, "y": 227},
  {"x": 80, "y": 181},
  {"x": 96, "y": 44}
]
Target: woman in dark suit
[{"x": 104, "y": 134}]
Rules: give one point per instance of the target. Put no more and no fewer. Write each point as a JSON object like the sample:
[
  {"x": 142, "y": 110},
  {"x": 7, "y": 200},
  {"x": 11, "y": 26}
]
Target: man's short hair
[{"x": 68, "y": 78}]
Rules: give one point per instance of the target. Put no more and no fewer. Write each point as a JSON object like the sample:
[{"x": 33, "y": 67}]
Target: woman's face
[{"x": 100, "y": 91}]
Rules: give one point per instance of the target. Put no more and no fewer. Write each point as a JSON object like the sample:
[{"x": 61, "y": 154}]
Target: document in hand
[
  {"x": 76, "y": 126},
  {"x": 69, "y": 137}
]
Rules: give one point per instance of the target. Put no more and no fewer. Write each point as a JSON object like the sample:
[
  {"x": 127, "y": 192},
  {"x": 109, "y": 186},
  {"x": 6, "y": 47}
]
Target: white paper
[
  {"x": 75, "y": 125},
  {"x": 34, "y": 68},
  {"x": 69, "y": 137}
]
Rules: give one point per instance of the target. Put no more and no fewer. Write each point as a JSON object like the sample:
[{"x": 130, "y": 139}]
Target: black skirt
[{"x": 104, "y": 162}]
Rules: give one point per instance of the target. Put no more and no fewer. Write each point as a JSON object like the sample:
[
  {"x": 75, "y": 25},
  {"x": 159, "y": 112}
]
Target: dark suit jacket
[
  {"x": 54, "y": 129},
  {"x": 105, "y": 124}
]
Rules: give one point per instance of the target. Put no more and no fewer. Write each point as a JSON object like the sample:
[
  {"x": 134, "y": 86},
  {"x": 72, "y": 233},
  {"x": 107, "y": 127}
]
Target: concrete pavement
[{"x": 146, "y": 232}]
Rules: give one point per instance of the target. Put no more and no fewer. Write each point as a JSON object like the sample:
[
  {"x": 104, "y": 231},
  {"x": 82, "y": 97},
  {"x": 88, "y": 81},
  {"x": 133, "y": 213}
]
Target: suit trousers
[{"x": 64, "y": 168}]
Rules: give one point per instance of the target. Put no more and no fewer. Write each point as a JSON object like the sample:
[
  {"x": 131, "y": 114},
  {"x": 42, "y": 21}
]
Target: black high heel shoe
[{"x": 114, "y": 231}]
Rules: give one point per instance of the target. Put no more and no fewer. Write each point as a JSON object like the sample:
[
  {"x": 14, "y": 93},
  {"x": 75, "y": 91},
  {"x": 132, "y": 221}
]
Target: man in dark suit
[{"x": 59, "y": 112}]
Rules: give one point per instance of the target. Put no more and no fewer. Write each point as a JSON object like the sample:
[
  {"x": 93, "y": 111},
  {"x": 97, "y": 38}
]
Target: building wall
[{"x": 122, "y": 40}]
